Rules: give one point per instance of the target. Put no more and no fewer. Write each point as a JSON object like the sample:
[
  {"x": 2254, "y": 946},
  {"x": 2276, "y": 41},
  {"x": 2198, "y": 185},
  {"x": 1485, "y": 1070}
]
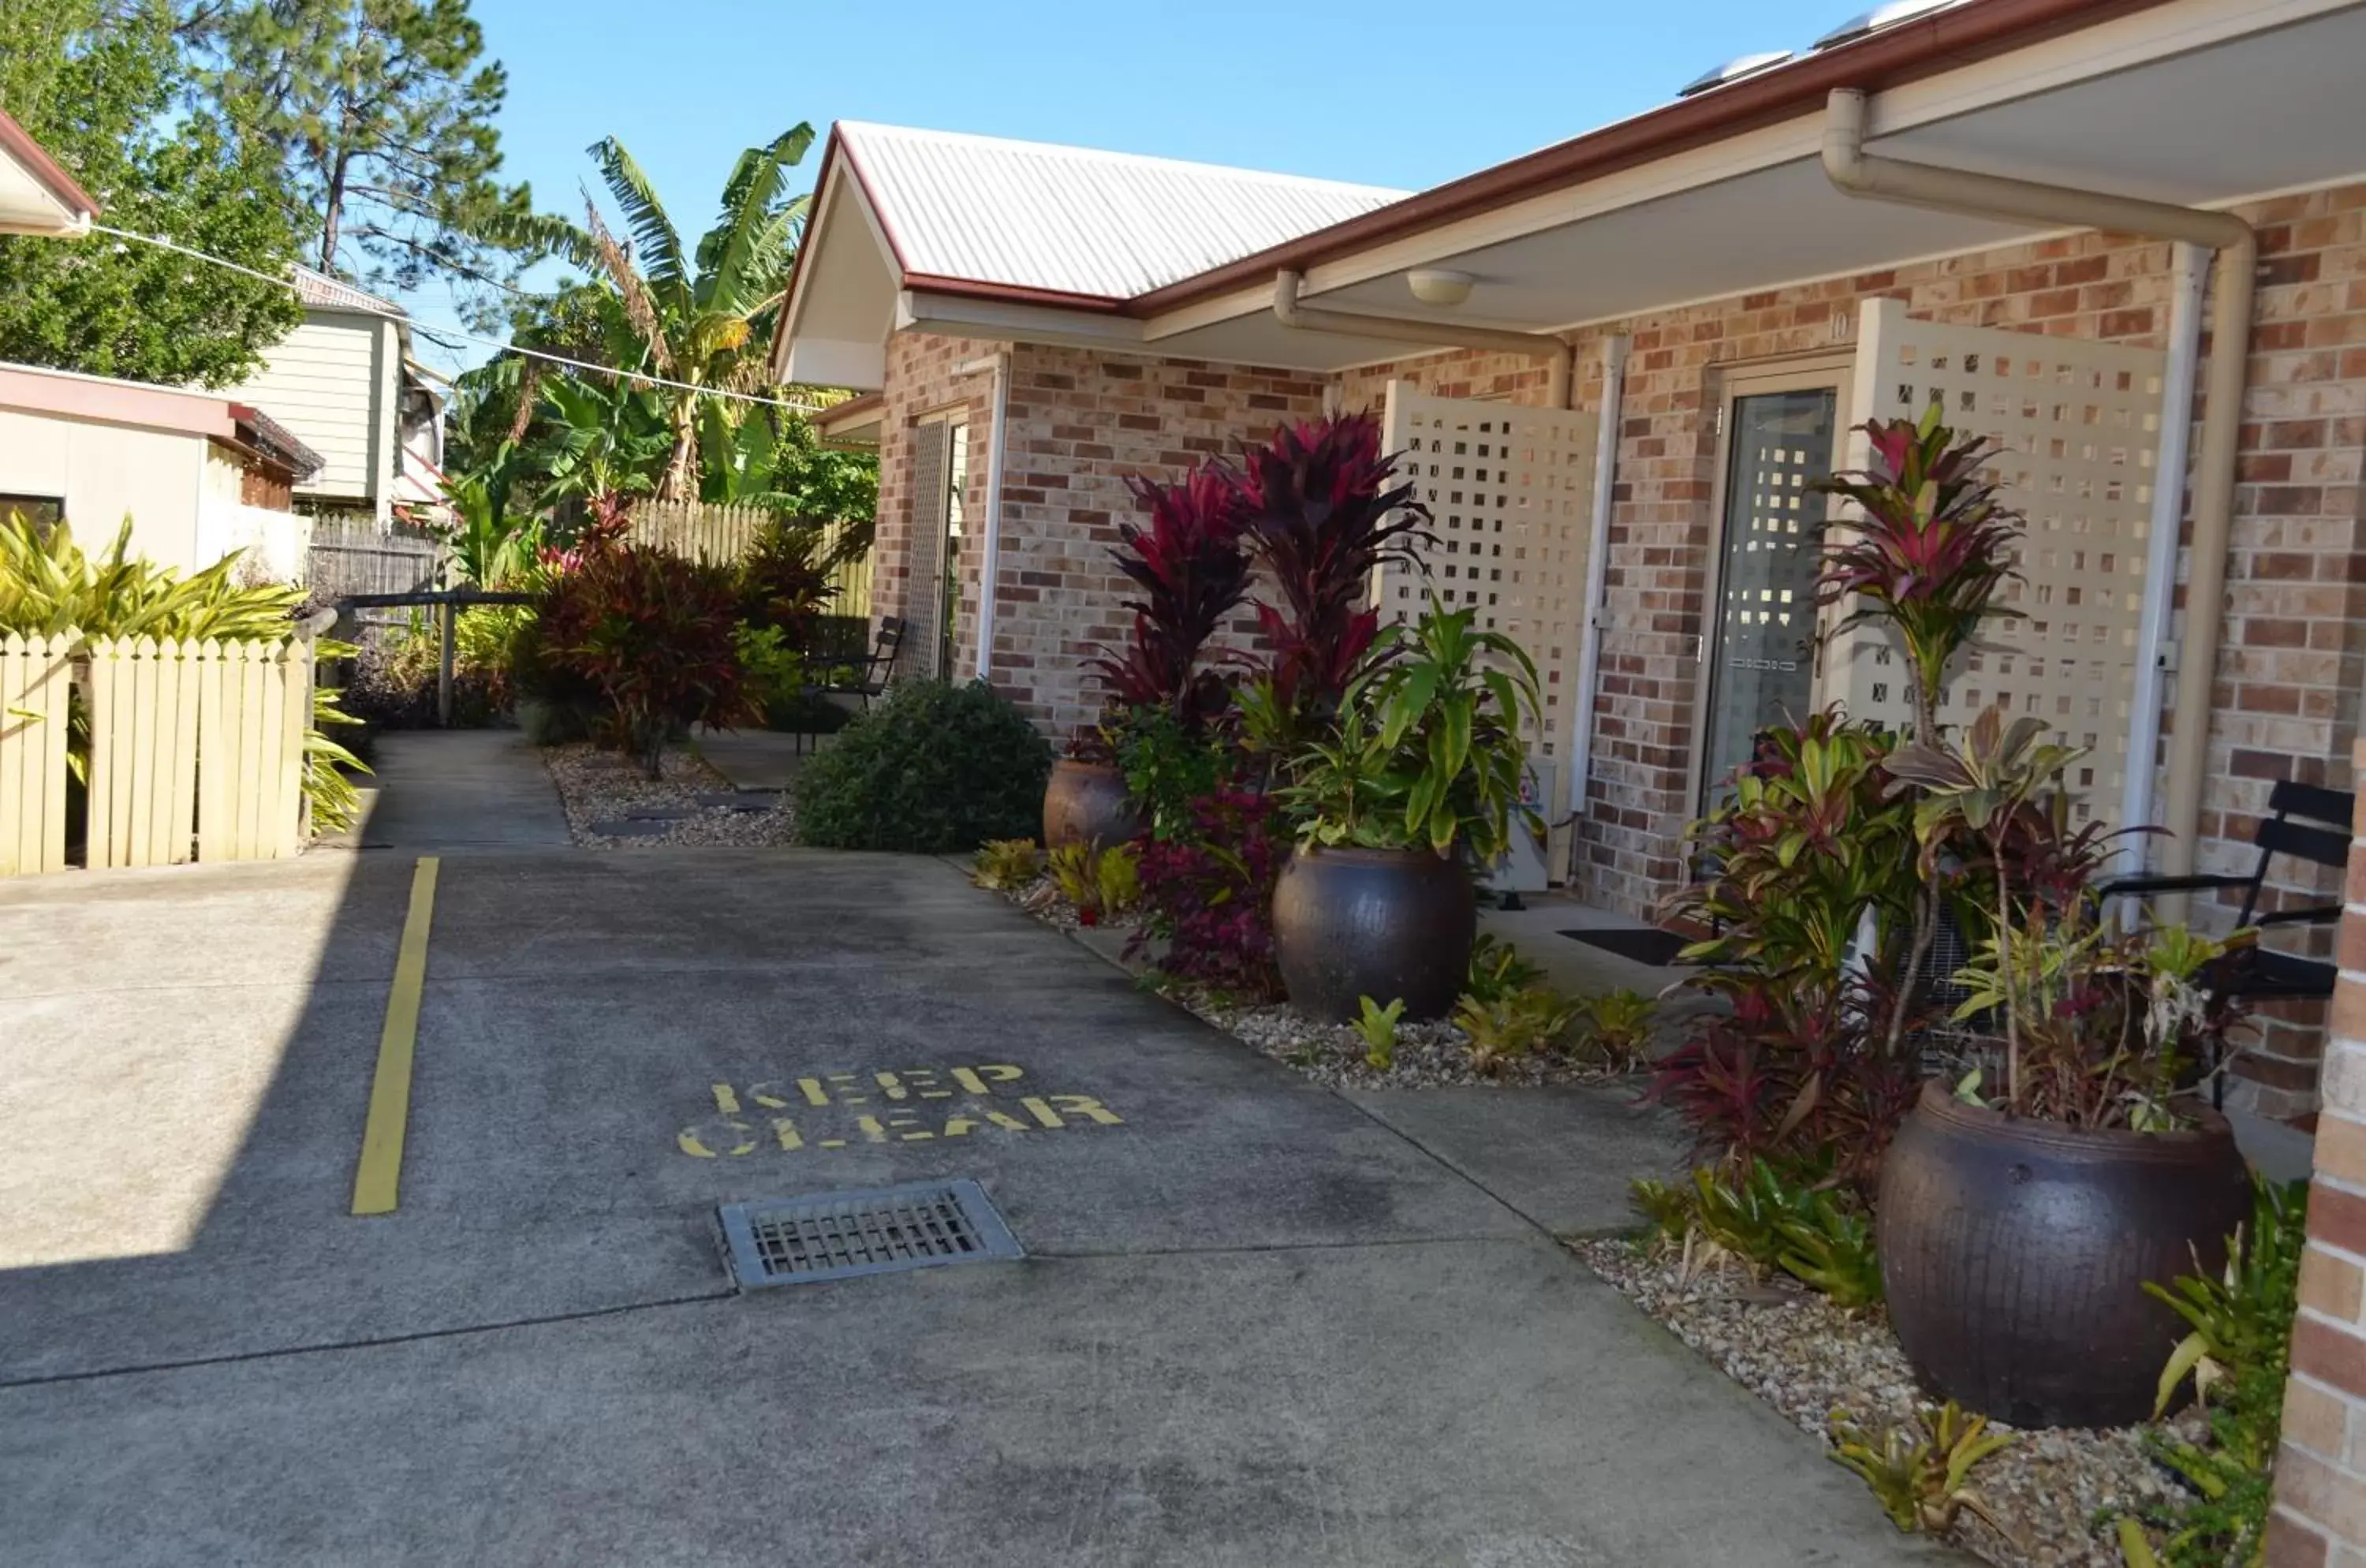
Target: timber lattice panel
[
  {"x": 1510, "y": 490},
  {"x": 2078, "y": 425}
]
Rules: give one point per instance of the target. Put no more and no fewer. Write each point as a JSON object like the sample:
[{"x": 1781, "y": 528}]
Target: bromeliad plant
[
  {"x": 1921, "y": 1476},
  {"x": 1428, "y": 753}
]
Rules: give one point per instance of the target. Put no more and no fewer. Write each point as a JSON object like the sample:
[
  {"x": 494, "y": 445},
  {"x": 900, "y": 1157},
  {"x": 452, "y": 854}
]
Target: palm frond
[
  {"x": 640, "y": 310},
  {"x": 659, "y": 247},
  {"x": 748, "y": 247}
]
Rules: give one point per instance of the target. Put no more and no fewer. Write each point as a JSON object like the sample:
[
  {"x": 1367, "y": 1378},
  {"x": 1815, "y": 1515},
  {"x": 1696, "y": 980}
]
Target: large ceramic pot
[
  {"x": 1085, "y": 803},
  {"x": 1379, "y": 923},
  {"x": 2015, "y": 1254}
]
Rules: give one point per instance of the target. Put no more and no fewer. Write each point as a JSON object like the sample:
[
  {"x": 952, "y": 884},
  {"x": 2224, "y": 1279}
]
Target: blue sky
[{"x": 1386, "y": 92}]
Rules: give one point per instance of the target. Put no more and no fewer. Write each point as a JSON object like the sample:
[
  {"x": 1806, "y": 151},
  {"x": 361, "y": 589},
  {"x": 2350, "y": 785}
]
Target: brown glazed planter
[
  {"x": 1379, "y": 923},
  {"x": 1085, "y": 803},
  {"x": 2014, "y": 1253}
]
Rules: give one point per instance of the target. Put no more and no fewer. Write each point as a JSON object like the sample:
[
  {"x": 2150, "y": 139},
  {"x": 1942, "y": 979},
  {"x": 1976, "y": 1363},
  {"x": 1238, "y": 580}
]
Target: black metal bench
[{"x": 2296, "y": 827}]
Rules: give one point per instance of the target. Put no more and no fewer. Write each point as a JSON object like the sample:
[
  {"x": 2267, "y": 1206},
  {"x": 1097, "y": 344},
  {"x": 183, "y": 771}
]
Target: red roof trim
[{"x": 20, "y": 145}]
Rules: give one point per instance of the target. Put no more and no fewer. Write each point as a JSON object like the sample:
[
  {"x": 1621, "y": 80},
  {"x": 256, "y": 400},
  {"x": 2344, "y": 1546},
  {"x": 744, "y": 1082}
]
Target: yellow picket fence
[
  {"x": 706, "y": 531},
  {"x": 195, "y": 750},
  {"x": 35, "y": 678}
]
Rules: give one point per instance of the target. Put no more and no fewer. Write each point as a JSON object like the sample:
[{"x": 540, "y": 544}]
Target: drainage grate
[{"x": 836, "y": 1235}]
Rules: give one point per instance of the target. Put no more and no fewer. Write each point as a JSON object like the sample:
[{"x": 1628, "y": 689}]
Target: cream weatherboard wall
[
  {"x": 104, "y": 473},
  {"x": 332, "y": 383}
]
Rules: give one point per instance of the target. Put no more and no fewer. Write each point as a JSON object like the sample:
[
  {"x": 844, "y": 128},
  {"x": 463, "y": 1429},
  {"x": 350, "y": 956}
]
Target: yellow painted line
[{"x": 379, "y": 1173}]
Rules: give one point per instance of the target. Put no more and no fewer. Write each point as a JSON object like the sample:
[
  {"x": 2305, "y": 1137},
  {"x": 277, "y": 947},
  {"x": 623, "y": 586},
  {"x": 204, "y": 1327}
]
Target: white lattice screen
[
  {"x": 1510, "y": 491},
  {"x": 2080, "y": 425}
]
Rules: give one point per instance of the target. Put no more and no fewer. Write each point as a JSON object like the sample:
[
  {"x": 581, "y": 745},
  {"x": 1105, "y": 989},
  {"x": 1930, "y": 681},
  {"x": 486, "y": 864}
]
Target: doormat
[{"x": 1644, "y": 945}]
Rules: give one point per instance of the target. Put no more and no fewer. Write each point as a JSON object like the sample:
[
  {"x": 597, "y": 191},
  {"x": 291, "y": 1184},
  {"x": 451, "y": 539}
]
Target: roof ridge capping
[{"x": 863, "y": 128}]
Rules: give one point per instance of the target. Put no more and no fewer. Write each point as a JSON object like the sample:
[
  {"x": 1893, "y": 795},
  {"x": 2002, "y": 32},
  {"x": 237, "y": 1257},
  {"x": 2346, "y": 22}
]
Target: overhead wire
[{"x": 446, "y": 335}]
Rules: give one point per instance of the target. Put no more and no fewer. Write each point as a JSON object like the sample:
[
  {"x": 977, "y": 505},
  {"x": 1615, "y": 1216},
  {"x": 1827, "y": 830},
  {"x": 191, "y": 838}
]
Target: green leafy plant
[
  {"x": 1516, "y": 1024},
  {"x": 1498, "y": 969},
  {"x": 1100, "y": 883},
  {"x": 1428, "y": 752},
  {"x": 1007, "y": 866},
  {"x": 932, "y": 767},
  {"x": 2238, "y": 1355},
  {"x": 1615, "y": 1027},
  {"x": 1819, "y": 1235},
  {"x": 1378, "y": 1029},
  {"x": 1921, "y": 1476}
]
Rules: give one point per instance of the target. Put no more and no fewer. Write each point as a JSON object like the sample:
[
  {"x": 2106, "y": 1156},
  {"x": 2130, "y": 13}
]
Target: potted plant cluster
[
  {"x": 1309, "y": 813},
  {"x": 2028, "y": 1130}
]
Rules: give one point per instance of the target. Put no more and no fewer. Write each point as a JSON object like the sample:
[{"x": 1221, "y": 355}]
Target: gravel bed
[
  {"x": 600, "y": 787},
  {"x": 1429, "y": 1056},
  {"x": 1804, "y": 1357}
]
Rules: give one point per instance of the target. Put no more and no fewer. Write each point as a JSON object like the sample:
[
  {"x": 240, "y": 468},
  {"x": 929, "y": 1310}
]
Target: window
[{"x": 43, "y": 511}]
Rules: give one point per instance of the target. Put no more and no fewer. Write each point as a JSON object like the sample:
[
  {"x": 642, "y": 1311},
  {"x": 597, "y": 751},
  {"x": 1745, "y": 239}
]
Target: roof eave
[
  {"x": 79, "y": 205},
  {"x": 1896, "y": 54}
]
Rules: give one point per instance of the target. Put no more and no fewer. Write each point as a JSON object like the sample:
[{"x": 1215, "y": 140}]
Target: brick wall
[
  {"x": 2320, "y": 1519},
  {"x": 1079, "y": 423},
  {"x": 2294, "y": 648}
]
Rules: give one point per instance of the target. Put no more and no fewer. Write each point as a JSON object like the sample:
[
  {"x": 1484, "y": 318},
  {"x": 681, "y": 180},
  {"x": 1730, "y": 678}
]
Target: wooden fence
[
  {"x": 196, "y": 750},
  {"x": 704, "y": 530}
]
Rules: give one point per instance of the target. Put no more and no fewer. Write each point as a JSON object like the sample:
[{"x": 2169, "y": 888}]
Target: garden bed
[
  {"x": 1429, "y": 1056},
  {"x": 611, "y": 805},
  {"x": 2057, "y": 1491}
]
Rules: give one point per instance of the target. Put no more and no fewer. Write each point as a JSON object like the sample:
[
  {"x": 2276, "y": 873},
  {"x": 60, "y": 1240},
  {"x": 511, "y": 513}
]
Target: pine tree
[{"x": 382, "y": 112}]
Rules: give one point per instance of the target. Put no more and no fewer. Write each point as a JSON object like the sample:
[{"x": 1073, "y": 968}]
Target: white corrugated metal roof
[
  {"x": 323, "y": 292},
  {"x": 1036, "y": 216}
]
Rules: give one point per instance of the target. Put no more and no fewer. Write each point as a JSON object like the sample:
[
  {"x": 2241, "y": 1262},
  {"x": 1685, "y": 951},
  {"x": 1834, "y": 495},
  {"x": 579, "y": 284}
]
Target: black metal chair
[
  {"x": 866, "y": 677},
  {"x": 2295, "y": 828}
]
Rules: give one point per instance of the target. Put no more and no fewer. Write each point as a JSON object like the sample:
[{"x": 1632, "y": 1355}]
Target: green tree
[
  {"x": 100, "y": 84},
  {"x": 381, "y": 113},
  {"x": 704, "y": 318}
]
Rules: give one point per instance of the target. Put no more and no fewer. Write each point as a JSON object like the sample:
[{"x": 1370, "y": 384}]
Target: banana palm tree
[{"x": 704, "y": 317}]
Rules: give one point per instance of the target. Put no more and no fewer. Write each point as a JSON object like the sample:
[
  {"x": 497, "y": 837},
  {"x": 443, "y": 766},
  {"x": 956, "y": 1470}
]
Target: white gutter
[
  {"x": 1857, "y": 173},
  {"x": 989, "y": 559},
  {"x": 1597, "y": 569},
  {"x": 1438, "y": 337},
  {"x": 2153, "y": 654}
]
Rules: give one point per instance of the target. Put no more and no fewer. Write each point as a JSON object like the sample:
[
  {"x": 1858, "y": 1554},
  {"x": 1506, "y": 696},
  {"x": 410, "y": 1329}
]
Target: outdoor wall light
[{"x": 1437, "y": 286}]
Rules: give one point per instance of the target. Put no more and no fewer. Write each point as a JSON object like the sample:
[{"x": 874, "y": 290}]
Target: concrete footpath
[
  {"x": 1258, "y": 1325},
  {"x": 458, "y": 789}
]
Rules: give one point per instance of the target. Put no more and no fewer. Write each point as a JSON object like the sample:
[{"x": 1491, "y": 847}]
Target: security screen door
[{"x": 1782, "y": 434}]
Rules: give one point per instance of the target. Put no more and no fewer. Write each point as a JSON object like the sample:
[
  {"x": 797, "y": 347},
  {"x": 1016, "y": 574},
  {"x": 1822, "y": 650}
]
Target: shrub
[
  {"x": 652, "y": 633},
  {"x": 932, "y": 769},
  {"x": 786, "y": 577},
  {"x": 1209, "y": 894},
  {"x": 393, "y": 680}
]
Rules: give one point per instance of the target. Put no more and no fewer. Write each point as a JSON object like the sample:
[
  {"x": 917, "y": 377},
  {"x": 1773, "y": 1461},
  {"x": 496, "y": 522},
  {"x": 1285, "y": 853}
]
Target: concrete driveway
[{"x": 1259, "y": 1324}]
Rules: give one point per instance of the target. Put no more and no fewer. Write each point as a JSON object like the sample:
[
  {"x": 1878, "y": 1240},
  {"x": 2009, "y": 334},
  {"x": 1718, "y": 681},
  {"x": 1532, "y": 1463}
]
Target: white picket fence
[{"x": 196, "y": 749}]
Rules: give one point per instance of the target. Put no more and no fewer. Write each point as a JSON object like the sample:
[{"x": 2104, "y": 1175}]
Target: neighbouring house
[
  {"x": 344, "y": 383},
  {"x": 1616, "y": 362},
  {"x": 36, "y": 196},
  {"x": 199, "y": 475}
]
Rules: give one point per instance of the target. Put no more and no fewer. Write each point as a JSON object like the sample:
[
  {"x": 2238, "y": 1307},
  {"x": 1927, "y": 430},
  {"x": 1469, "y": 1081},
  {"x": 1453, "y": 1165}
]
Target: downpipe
[{"x": 1858, "y": 173}]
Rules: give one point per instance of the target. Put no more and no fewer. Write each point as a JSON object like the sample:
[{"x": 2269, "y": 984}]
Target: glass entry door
[{"x": 1762, "y": 633}]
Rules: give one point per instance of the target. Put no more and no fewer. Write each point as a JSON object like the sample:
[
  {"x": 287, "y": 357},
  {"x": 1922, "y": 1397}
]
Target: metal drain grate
[{"x": 836, "y": 1235}]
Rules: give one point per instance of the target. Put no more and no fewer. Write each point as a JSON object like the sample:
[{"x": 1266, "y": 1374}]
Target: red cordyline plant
[
  {"x": 1192, "y": 571},
  {"x": 1209, "y": 894},
  {"x": 1322, "y": 514},
  {"x": 652, "y": 633},
  {"x": 1930, "y": 553}
]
